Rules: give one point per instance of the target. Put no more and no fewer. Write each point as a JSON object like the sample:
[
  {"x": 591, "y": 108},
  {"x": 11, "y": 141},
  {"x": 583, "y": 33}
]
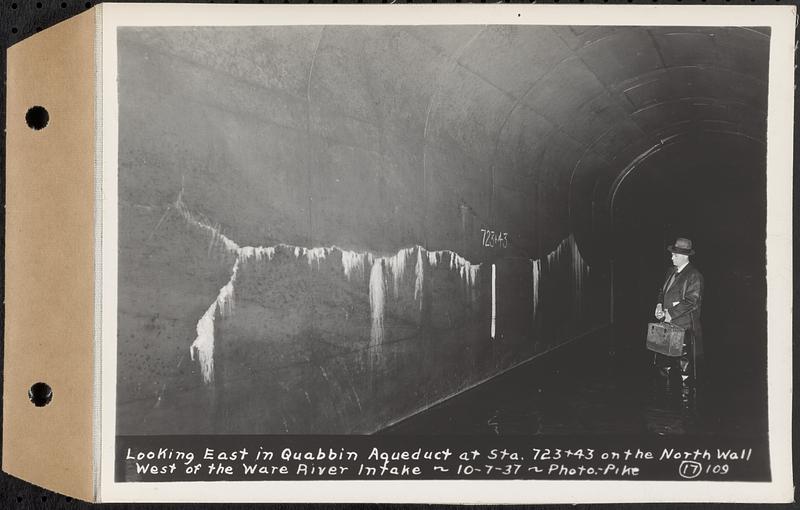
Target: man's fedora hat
[{"x": 682, "y": 246}]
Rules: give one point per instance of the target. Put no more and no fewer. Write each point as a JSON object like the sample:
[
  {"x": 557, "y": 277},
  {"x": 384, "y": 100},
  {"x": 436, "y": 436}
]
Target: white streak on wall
[
  {"x": 217, "y": 238},
  {"x": 258, "y": 253},
  {"x": 397, "y": 267},
  {"x": 536, "y": 272},
  {"x": 580, "y": 270},
  {"x": 248, "y": 252},
  {"x": 203, "y": 344},
  {"x": 472, "y": 272},
  {"x": 554, "y": 257},
  {"x": 453, "y": 262},
  {"x": 353, "y": 262},
  {"x": 467, "y": 271},
  {"x": 225, "y": 297},
  {"x": 316, "y": 255},
  {"x": 377, "y": 300},
  {"x": 418, "y": 282},
  {"x": 494, "y": 300},
  {"x": 269, "y": 252}
]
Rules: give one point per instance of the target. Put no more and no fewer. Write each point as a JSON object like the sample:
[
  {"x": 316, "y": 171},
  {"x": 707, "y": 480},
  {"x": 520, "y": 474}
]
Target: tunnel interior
[
  {"x": 709, "y": 187},
  {"x": 359, "y": 222}
]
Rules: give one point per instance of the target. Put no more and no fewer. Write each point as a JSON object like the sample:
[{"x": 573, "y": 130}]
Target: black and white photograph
[{"x": 542, "y": 243}]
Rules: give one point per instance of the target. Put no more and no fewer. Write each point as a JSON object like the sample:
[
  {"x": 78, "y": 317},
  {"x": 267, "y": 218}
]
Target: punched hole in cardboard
[
  {"x": 37, "y": 117},
  {"x": 40, "y": 394}
]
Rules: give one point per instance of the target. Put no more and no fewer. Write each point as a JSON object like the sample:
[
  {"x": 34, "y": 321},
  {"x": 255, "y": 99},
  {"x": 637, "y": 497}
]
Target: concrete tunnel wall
[{"x": 248, "y": 154}]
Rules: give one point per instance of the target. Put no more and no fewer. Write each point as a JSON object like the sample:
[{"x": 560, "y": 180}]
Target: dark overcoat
[{"x": 683, "y": 299}]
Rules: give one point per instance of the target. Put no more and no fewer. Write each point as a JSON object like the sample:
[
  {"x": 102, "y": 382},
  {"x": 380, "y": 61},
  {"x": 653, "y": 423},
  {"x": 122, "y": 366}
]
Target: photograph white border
[{"x": 781, "y": 20}]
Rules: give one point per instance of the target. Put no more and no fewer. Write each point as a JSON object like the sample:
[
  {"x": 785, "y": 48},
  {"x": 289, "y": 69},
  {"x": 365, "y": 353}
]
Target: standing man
[{"x": 679, "y": 302}]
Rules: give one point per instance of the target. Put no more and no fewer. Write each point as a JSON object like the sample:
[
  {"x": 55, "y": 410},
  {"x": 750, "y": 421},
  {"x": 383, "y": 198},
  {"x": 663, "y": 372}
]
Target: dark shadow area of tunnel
[{"x": 711, "y": 188}]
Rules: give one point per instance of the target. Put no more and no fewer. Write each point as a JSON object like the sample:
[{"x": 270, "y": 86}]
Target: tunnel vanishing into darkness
[{"x": 589, "y": 148}]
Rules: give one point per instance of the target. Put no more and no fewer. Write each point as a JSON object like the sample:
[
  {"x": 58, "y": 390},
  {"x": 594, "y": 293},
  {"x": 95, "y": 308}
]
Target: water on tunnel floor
[{"x": 592, "y": 387}]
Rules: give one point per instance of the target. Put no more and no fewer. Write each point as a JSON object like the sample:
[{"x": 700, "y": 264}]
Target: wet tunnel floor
[{"x": 591, "y": 387}]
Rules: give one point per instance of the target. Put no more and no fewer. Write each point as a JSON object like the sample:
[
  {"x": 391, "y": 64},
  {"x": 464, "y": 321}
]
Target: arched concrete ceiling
[{"x": 525, "y": 127}]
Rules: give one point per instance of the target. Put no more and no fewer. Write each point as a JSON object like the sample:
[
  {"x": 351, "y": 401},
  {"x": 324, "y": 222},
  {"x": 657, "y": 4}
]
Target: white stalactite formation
[
  {"x": 377, "y": 301},
  {"x": 354, "y": 265},
  {"x": 419, "y": 273},
  {"x": 579, "y": 271},
  {"x": 494, "y": 301},
  {"x": 536, "y": 277},
  {"x": 396, "y": 265},
  {"x": 202, "y": 349}
]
